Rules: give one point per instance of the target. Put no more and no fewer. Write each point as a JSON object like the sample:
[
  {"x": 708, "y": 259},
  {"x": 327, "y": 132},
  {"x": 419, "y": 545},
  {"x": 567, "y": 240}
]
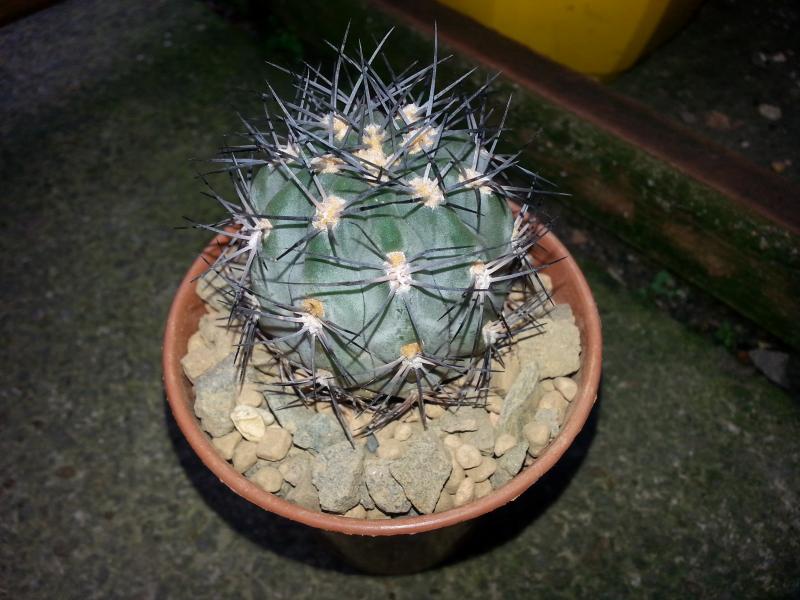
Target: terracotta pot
[{"x": 378, "y": 545}]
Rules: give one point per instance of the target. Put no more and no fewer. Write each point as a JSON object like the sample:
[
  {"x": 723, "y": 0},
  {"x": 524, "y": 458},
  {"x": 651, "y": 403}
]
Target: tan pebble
[
  {"x": 227, "y": 443},
  {"x": 358, "y": 422},
  {"x": 554, "y": 401},
  {"x": 494, "y": 403},
  {"x": 268, "y": 479},
  {"x": 376, "y": 514},
  {"x": 412, "y": 416},
  {"x": 537, "y": 433},
  {"x": 494, "y": 419},
  {"x": 402, "y": 432},
  {"x": 444, "y": 503},
  {"x": 275, "y": 444},
  {"x": 484, "y": 488},
  {"x": 456, "y": 477},
  {"x": 465, "y": 492},
  {"x": 434, "y": 411},
  {"x": 567, "y": 387},
  {"x": 294, "y": 469},
  {"x": 244, "y": 456},
  {"x": 483, "y": 471},
  {"x": 390, "y": 449},
  {"x": 504, "y": 443},
  {"x": 452, "y": 441},
  {"x": 529, "y": 460},
  {"x": 504, "y": 375},
  {"x": 196, "y": 343},
  {"x": 468, "y": 456},
  {"x": 547, "y": 385},
  {"x": 250, "y": 396},
  {"x": 546, "y": 281},
  {"x": 357, "y": 512},
  {"x": 249, "y": 422},
  {"x": 196, "y": 363}
]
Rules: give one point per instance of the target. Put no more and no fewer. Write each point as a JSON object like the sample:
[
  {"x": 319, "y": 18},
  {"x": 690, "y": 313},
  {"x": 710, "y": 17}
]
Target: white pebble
[
  {"x": 468, "y": 456},
  {"x": 566, "y": 386},
  {"x": 268, "y": 479},
  {"x": 547, "y": 385},
  {"x": 275, "y": 444},
  {"x": 249, "y": 422},
  {"x": 770, "y": 111},
  {"x": 227, "y": 443},
  {"x": 465, "y": 492},
  {"x": 504, "y": 443}
]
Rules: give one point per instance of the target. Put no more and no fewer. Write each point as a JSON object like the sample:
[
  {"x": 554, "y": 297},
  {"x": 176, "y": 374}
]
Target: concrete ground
[
  {"x": 717, "y": 74},
  {"x": 684, "y": 483}
]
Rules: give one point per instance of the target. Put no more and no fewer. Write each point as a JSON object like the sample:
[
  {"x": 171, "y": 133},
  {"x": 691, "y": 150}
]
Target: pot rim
[{"x": 176, "y": 385}]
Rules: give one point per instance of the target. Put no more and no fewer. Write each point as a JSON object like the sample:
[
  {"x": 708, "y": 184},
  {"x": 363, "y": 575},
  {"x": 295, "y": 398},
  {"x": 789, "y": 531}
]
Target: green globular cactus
[{"x": 375, "y": 245}]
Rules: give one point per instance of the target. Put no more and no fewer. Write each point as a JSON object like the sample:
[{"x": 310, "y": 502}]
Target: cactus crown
[{"x": 374, "y": 245}]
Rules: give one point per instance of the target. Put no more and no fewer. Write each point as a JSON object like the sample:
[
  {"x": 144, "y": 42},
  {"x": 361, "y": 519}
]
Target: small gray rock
[
  {"x": 215, "y": 396},
  {"x": 383, "y": 488},
  {"x": 510, "y": 464},
  {"x": 289, "y": 410},
  {"x": 556, "y": 350},
  {"x": 319, "y": 432},
  {"x": 519, "y": 403},
  {"x": 366, "y": 500},
  {"x": 337, "y": 474},
  {"x": 423, "y": 470},
  {"x": 304, "y": 495},
  {"x": 483, "y": 437}
]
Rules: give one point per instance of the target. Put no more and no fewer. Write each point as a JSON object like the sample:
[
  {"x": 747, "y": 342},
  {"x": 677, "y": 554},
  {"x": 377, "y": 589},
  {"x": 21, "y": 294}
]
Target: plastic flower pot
[{"x": 405, "y": 544}]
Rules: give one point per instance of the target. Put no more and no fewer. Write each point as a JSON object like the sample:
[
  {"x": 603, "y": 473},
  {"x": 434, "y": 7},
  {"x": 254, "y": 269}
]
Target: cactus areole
[{"x": 374, "y": 246}]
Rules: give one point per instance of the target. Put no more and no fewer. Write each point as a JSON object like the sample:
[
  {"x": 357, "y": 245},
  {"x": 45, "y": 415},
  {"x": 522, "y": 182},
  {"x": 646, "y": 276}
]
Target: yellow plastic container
[{"x": 600, "y": 38}]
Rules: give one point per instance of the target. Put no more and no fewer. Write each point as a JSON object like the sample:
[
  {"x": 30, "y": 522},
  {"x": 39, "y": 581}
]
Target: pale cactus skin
[{"x": 376, "y": 246}]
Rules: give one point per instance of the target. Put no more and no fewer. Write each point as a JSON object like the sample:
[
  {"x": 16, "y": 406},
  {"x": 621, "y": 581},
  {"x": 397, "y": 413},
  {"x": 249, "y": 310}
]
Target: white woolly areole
[
  {"x": 417, "y": 140},
  {"x": 335, "y": 122},
  {"x": 479, "y": 184},
  {"x": 410, "y": 113},
  {"x": 426, "y": 190},
  {"x": 327, "y": 163},
  {"x": 491, "y": 332},
  {"x": 398, "y": 271},
  {"x": 373, "y": 137},
  {"x": 311, "y": 323},
  {"x": 480, "y": 275},
  {"x": 260, "y": 230},
  {"x": 328, "y": 212}
]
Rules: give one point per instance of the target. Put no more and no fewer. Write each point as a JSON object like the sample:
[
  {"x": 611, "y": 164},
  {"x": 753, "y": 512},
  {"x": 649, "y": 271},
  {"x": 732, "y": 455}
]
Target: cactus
[{"x": 374, "y": 245}]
